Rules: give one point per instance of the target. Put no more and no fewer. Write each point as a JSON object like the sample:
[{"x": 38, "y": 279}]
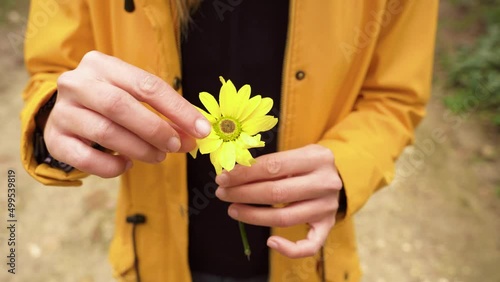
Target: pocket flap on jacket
[{"x": 121, "y": 254}]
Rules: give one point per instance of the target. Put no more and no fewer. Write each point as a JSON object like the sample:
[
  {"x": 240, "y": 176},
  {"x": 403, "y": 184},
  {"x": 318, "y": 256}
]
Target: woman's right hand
[{"x": 100, "y": 102}]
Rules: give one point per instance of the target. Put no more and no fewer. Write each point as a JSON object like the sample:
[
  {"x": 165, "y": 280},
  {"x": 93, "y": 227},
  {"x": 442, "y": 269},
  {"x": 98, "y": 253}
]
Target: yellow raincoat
[{"x": 356, "y": 79}]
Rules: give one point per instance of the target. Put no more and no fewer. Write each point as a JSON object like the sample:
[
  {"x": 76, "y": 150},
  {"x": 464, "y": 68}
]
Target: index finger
[
  {"x": 271, "y": 167},
  {"x": 152, "y": 90}
]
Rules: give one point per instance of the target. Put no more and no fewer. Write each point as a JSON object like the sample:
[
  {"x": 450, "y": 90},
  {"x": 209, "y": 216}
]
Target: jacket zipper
[
  {"x": 135, "y": 220},
  {"x": 283, "y": 106},
  {"x": 284, "y": 75},
  {"x": 322, "y": 270}
]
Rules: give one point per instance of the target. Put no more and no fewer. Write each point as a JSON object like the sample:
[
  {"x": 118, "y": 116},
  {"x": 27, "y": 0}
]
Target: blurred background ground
[{"x": 438, "y": 222}]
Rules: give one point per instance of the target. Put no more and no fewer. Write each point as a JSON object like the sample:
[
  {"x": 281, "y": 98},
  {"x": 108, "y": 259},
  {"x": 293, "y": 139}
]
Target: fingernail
[
  {"x": 173, "y": 144},
  {"x": 233, "y": 212},
  {"x": 203, "y": 127},
  {"x": 222, "y": 179},
  {"x": 272, "y": 244},
  {"x": 160, "y": 157}
]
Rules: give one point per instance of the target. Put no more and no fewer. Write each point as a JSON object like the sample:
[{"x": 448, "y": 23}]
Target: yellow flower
[{"x": 235, "y": 125}]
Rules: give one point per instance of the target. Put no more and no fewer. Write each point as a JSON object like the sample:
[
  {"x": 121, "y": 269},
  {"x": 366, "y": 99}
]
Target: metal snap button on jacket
[
  {"x": 177, "y": 83},
  {"x": 300, "y": 75}
]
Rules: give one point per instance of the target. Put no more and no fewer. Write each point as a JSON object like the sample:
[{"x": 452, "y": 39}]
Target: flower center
[
  {"x": 228, "y": 129},
  {"x": 227, "y": 126}
]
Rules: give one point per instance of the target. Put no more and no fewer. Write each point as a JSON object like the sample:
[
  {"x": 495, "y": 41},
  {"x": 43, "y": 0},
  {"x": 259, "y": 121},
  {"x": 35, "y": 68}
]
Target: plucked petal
[
  {"x": 209, "y": 144},
  {"x": 228, "y": 99},
  {"x": 208, "y": 116},
  {"x": 264, "y": 107},
  {"x": 255, "y": 125},
  {"x": 210, "y": 103},
  {"x": 249, "y": 107},
  {"x": 227, "y": 155},
  {"x": 248, "y": 141}
]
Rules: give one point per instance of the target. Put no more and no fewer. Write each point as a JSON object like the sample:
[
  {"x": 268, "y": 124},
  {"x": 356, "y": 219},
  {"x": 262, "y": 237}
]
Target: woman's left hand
[{"x": 304, "y": 179}]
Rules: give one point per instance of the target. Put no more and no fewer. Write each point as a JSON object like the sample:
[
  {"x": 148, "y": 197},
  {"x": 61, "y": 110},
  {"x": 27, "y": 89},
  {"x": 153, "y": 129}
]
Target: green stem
[{"x": 244, "y": 239}]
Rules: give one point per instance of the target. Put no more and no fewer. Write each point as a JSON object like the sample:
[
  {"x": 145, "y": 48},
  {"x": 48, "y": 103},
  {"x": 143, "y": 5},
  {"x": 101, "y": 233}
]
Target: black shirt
[{"x": 244, "y": 43}]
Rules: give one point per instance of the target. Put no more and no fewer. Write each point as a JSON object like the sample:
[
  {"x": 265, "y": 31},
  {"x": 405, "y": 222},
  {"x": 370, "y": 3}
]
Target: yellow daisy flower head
[{"x": 236, "y": 121}]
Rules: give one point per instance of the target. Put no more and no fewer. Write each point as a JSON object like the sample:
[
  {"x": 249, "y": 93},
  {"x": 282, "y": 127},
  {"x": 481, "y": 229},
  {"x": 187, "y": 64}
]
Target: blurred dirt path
[
  {"x": 440, "y": 219},
  {"x": 62, "y": 233}
]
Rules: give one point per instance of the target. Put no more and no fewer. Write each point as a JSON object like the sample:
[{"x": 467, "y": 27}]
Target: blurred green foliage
[
  {"x": 484, "y": 11},
  {"x": 474, "y": 71},
  {"x": 5, "y": 7}
]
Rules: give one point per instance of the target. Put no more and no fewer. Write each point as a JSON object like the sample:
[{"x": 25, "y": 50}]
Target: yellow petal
[
  {"x": 244, "y": 157},
  {"x": 194, "y": 152},
  {"x": 210, "y": 103},
  {"x": 208, "y": 145},
  {"x": 255, "y": 125},
  {"x": 214, "y": 158},
  {"x": 228, "y": 99},
  {"x": 248, "y": 141},
  {"x": 243, "y": 97},
  {"x": 249, "y": 107},
  {"x": 264, "y": 107},
  {"x": 244, "y": 92},
  {"x": 227, "y": 155},
  {"x": 210, "y": 118}
]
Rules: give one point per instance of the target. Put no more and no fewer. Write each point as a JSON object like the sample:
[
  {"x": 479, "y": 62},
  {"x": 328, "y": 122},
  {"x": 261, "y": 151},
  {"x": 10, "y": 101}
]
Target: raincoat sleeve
[
  {"x": 58, "y": 34},
  {"x": 389, "y": 106}
]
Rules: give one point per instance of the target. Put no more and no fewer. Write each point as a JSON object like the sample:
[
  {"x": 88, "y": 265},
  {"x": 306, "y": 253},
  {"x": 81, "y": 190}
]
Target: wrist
[
  {"x": 41, "y": 153},
  {"x": 342, "y": 209},
  {"x": 43, "y": 113}
]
